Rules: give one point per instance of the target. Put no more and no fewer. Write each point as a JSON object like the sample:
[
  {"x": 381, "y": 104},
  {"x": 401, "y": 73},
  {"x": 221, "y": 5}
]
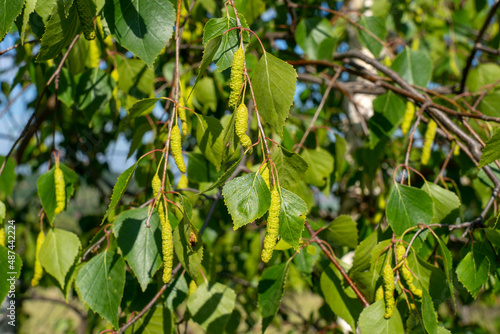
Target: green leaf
[
  {"x": 100, "y": 284},
  {"x": 139, "y": 132},
  {"x": 446, "y": 203},
  {"x": 47, "y": 189},
  {"x": 291, "y": 166},
  {"x": 342, "y": 231},
  {"x": 208, "y": 136},
  {"x": 292, "y": 216},
  {"x": 211, "y": 306},
  {"x": 224, "y": 177},
  {"x": 448, "y": 267},
  {"x": 408, "y": 207},
  {"x": 247, "y": 198},
  {"x": 429, "y": 314},
  {"x": 389, "y": 111},
  {"x": 274, "y": 84},
  {"x": 10, "y": 10},
  {"x": 251, "y": 9},
  {"x": 341, "y": 299},
  {"x": 482, "y": 75},
  {"x": 320, "y": 163},
  {"x": 58, "y": 253},
  {"x": 489, "y": 105},
  {"x": 176, "y": 292},
  {"x": 93, "y": 92},
  {"x": 361, "y": 272},
  {"x": 472, "y": 271},
  {"x": 199, "y": 169},
  {"x": 375, "y": 25},
  {"x": 120, "y": 188},
  {"x": 142, "y": 26},
  {"x": 271, "y": 288},
  {"x": 311, "y": 33},
  {"x": 413, "y": 66},
  {"x": 340, "y": 154},
  {"x": 59, "y": 31},
  {"x": 11, "y": 268},
  {"x": 428, "y": 277},
  {"x": 491, "y": 151},
  {"x": 209, "y": 52},
  {"x": 28, "y": 9},
  {"x": 158, "y": 320},
  {"x": 372, "y": 320},
  {"x": 8, "y": 176},
  {"x": 136, "y": 78},
  {"x": 189, "y": 256},
  {"x": 139, "y": 244},
  {"x": 230, "y": 41},
  {"x": 142, "y": 107}
]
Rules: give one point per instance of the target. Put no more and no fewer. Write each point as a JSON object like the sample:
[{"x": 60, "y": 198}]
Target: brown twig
[
  {"x": 56, "y": 73},
  {"x": 332, "y": 259},
  {"x": 477, "y": 43}
]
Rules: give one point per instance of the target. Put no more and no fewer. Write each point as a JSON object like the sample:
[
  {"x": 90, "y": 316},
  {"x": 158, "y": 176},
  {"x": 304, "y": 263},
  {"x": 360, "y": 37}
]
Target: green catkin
[
  {"x": 388, "y": 277},
  {"x": 264, "y": 172},
  {"x": 242, "y": 126},
  {"x": 175, "y": 142},
  {"x": 94, "y": 55},
  {"x": 183, "y": 182},
  {"x": 182, "y": 115},
  {"x": 272, "y": 227},
  {"x": 83, "y": 9},
  {"x": 405, "y": 272},
  {"x": 408, "y": 118},
  {"x": 2, "y": 236},
  {"x": 192, "y": 287},
  {"x": 379, "y": 294},
  {"x": 429, "y": 139},
  {"x": 236, "y": 80},
  {"x": 60, "y": 189},
  {"x": 38, "y": 267},
  {"x": 166, "y": 232},
  {"x": 456, "y": 151}
]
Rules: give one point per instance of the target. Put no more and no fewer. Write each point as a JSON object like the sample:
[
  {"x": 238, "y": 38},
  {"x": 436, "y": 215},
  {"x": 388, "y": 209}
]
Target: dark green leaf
[
  {"x": 189, "y": 256},
  {"x": 342, "y": 300},
  {"x": 142, "y": 107},
  {"x": 158, "y": 320},
  {"x": 120, "y": 188},
  {"x": 429, "y": 314},
  {"x": 491, "y": 151},
  {"x": 375, "y": 25},
  {"x": 224, "y": 177},
  {"x": 139, "y": 244},
  {"x": 311, "y": 33},
  {"x": 342, "y": 231},
  {"x": 142, "y": 26},
  {"x": 271, "y": 287},
  {"x": 291, "y": 166},
  {"x": 59, "y": 31},
  {"x": 408, "y": 207},
  {"x": 446, "y": 203},
  {"x": 8, "y": 176},
  {"x": 100, "y": 284},
  {"x": 472, "y": 271},
  {"x": 292, "y": 216},
  {"x": 47, "y": 189},
  {"x": 208, "y": 136}
]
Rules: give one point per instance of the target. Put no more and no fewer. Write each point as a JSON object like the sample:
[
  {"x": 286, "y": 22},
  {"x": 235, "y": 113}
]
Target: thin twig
[
  {"x": 477, "y": 43},
  {"x": 318, "y": 110},
  {"x": 18, "y": 45},
  {"x": 25, "y": 130},
  {"x": 332, "y": 259}
]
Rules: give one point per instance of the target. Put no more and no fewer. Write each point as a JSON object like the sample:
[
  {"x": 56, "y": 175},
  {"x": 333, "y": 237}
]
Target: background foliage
[{"x": 332, "y": 83}]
